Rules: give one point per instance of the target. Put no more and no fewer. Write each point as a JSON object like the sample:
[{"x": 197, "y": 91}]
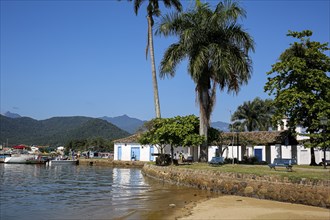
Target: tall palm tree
[
  {"x": 153, "y": 10},
  {"x": 216, "y": 47},
  {"x": 255, "y": 115}
]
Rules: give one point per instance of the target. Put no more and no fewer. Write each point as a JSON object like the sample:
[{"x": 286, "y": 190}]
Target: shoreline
[
  {"x": 238, "y": 207},
  {"x": 111, "y": 162},
  {"x": 240, "y": 196},
  {"x": 274, "y": 188}
]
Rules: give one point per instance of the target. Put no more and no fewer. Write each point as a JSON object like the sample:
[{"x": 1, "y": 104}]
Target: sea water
[{"x": 86, "y": 192}]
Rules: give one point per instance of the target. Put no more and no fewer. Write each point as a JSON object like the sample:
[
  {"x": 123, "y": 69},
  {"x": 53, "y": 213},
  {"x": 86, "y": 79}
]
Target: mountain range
[
  {"x": 125, "y": 122},
  {"x": 55, "y": 131},
  {"x": 131, "y": 125},
  {"x": 58, "y": 130}
]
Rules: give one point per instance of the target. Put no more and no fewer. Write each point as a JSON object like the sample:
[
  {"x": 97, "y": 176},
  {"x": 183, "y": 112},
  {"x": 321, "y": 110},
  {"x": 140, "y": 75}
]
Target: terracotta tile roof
[
  {"x": 261, "y": 137},
  {"x": 130, "y": 139}
]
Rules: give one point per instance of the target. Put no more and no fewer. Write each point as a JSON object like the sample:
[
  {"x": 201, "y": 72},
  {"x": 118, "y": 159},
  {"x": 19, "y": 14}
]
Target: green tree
[
  {"x": 216, "y": 138},
  {"x": 300, "y": 82},
  {"x": 153, "y": 10},
  {"x": 99, "y": 144},
  {"x": 150, "y": 136},
  {"x": 253, "y": 115},
  {"x": 177, "y": 131},
  {"x": 217, "y": 49}
]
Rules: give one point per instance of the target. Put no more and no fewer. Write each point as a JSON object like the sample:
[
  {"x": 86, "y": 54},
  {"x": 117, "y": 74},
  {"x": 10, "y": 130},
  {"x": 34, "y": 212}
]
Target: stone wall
[
  {"x": 111, "y": 162},
  {"x": 307, "y": 192}
]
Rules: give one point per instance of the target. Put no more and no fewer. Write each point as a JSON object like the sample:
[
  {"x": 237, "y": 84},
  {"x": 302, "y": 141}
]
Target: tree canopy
[
  {"x": 217, "y": 49},
  {"x": 177, "y": 131},
  {"x": 300, "y": 83},
  {"x": 253, "y": 115}
]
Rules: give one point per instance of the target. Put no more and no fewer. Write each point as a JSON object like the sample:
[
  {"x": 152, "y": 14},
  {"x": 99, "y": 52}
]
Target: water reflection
[{"x": 83, "y": 192}]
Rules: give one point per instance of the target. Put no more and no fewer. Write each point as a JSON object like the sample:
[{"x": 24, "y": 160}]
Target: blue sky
[{"x": 87, "y": 58}]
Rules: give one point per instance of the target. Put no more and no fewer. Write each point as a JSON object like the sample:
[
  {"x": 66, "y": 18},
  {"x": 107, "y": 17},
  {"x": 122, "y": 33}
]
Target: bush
[
  {"x": 163, "y": 160},
  {"x": 230, "y": 160},
  {"x": 249, "y": 160},
  {"x": 261, "y": 163}
]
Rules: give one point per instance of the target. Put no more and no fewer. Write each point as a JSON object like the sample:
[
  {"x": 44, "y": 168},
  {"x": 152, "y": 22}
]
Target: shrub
[{"x": 230, "y": 160}]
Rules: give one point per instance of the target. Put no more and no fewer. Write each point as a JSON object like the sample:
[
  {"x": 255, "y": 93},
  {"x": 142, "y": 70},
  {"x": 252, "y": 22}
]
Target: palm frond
[
  {"x": 216, "y": 46},
  {"x": 176, "y": 3},
  {"x": 137, "y": 4},
  {"x": 168, "y": 24},
  {"x": 172, "y": 57}
]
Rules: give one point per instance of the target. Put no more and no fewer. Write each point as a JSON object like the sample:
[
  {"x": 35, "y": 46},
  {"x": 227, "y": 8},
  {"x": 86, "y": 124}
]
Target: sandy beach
[{"x": 236, "y": 207}]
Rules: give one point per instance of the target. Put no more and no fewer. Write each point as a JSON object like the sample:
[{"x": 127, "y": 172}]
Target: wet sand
[{"x": 236, "y": 207}]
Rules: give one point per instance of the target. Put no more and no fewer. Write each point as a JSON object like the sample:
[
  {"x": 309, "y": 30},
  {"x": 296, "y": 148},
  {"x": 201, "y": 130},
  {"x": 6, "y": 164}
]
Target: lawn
[{"x": 298, "y": 173}]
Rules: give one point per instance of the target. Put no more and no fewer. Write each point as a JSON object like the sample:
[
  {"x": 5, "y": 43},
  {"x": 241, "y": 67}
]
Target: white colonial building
[
  {"x": 269, "y": 153},
  {"x": 129, "y": 149},
  {"x": 268, "y": 145},
  {"x": 264, "y": 145}
]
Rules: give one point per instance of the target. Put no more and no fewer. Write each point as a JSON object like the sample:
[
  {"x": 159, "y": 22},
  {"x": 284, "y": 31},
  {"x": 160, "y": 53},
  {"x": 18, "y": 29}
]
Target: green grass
[
  {"x": 298, "y": 173},
  {"x": 312, "y": 167}
]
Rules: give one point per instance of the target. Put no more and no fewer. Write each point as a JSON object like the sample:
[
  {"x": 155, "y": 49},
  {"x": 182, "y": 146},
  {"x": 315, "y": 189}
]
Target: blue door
[
  {"x": 151, "y": 152},
  {"x": 119, "y": 153},
  {"x": 258, "y": 154},
  {"x": 135, "y": 153}
]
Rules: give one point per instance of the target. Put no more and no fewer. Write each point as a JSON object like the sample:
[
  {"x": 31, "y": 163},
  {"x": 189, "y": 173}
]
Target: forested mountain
[
  {"x": 125, "y": 122},
  {"x": 55, "y": 131},
  {"x": 131, "y": 125}
]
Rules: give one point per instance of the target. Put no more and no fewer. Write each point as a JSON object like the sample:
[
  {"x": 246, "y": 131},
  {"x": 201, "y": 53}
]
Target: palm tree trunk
[
  {"x": 153, "y": 68},
  {"x": 203, "y": 122},
  {"x": 203, "y": 148}
]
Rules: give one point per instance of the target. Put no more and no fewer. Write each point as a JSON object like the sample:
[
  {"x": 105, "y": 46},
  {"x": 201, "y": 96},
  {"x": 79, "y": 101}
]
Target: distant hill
[
  {"x": 223, "y": 126},
  {"x": 11, "y": 115},
  {"x": 125, "y": 122},
  {"x": 131, "y": 125},
  {"x": 55, "y": 131}
]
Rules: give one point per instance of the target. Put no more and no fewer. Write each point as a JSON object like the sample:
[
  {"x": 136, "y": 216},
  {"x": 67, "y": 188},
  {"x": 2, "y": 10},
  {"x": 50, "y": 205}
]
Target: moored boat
[
  {"x": 37, "y": 160},
  {"x": 19, "y": 158}
]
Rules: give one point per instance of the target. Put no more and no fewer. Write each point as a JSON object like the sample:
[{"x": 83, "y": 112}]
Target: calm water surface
[{"x": 86, "y": 192}]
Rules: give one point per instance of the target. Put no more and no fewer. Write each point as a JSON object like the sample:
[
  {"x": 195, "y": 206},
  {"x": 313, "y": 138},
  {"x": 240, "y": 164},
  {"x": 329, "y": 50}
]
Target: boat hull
[
  {"x": 36, "y": 161},
  {"x": 21, "y": 158},
  {"x": 3, "y": 157},
  {"x": 63, "y": 162}
]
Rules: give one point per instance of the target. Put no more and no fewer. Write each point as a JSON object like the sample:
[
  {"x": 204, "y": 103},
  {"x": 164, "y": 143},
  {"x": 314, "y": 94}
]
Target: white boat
[{"x": 19, "y": 158}]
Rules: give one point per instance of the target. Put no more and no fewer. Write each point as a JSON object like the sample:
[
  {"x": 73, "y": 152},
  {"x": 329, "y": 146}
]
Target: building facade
[{"x": 264, "y": 145}]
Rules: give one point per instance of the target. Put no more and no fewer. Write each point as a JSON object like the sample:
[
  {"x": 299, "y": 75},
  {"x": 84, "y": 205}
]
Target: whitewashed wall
[
  {"x": 276, "y": 151},
  {"x": 303, "y": 155},
  {"x": 145, "y": 151},
  {"x": 230, "y": 152},
  {"x": 211, "y": 153},
  {"x": 286, "y": 151},
  {"x": 319, "y": 155}
]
